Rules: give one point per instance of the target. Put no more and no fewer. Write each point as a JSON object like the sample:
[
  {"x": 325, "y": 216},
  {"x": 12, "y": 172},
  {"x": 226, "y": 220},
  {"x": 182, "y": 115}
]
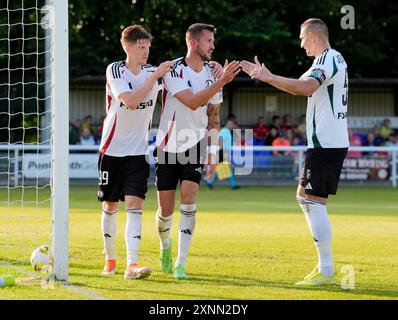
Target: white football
[{"x": 41, "y": 257}]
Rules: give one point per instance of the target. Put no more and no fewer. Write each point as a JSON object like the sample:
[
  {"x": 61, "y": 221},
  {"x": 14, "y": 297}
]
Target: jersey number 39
[{"x": 103, "y": 178}]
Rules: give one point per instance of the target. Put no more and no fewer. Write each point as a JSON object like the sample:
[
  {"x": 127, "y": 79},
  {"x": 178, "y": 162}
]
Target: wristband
[{"x": 213, "y": 149}]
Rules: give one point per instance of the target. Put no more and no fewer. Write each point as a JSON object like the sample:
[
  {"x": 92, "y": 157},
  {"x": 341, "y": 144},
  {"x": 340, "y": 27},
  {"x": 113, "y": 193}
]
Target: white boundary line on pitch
[
  {"x": 69, "y": 286},
  {"x": 90, "y": 294}
]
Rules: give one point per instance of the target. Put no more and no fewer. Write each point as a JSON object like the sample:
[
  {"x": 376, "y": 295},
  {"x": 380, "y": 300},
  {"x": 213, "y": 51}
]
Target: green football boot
[
  {"x": 179, "y": 272},
  {"x": 317, "y": 279},
  {"x": 166, "y": 261}
]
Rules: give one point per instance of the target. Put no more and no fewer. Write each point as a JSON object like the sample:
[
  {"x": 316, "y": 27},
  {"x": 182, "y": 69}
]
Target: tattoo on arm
[
  {"x": 213, "y": 126},
  {"x": 213, "y": 114}
]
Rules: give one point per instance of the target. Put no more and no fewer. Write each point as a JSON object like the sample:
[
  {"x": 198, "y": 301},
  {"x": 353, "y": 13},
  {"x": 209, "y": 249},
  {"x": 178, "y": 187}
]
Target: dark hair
[
  {"x": 135, "y": 33},
  {"x": 196, "y": 29}
]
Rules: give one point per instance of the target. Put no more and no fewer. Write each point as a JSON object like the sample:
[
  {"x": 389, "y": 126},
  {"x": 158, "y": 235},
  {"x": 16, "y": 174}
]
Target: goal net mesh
[{"x": 25, "y": 132}]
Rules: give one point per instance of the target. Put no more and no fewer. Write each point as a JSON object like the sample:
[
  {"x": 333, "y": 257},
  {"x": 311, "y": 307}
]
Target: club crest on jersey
[
  {"x": 208, "y": 83},
  {"x": 318, "y": 74}
]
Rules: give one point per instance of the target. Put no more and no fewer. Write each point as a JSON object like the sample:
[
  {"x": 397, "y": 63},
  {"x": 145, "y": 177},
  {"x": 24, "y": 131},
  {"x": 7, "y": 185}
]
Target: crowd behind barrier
[{"x": 277, "y": 131}]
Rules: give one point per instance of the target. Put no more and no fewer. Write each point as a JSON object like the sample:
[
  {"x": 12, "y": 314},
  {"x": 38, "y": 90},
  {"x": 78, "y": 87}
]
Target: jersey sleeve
[
  {"x": 306, "y": 74},
  {"x": 150, "y": 69},
  {"x": 174, "y": 83},
  {"x": 217, "y": 98},
  {"x": 115, "y": 80},
  {"x": 322, "y": 69}
]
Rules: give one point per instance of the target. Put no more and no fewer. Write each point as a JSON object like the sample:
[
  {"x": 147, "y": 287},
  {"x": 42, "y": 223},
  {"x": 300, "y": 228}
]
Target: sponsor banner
[
  {"x": 366, "y": 169},
  {"x": 80, "y": 166}
]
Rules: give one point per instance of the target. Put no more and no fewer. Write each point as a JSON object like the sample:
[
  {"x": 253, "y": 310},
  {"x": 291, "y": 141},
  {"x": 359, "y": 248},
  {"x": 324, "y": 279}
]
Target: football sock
[
  {"x": 321, "y": 230},
  {"x": 163, "y": 225},
  {"x": 186, "y": 228},
  {"x": 108, "y": 225},
  {"x": 133, "y": 234}
]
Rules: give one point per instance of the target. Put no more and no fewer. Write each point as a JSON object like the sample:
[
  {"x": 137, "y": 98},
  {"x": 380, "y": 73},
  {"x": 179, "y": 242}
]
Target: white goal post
[{"x": 60, "y": 141}]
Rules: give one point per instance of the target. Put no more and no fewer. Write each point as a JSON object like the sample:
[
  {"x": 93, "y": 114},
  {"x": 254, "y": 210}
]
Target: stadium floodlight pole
[{"x": 60, "y": 142}]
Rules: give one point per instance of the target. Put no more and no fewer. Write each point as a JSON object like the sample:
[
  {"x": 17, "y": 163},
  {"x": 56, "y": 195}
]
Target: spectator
[
  {"x": 392, "y": 141},
  {"x": 372, "y": 141},
  {"x": 88, "y": 123},
  {"x": 260, "y": 131},
  {"x": 232, "y": 117},
  {"x": 301, "y": 128},
  {"x": 273, "y": 134},
  {"x": 75, "y": 131},
  {"x": 355, "y": 140},
  {"x": 87, "y": 139},
  {"x": 289, "y": 134},
  {"x": 385, "y": 130},
  {"x": 288, "y": 123},
  {"x": 276, "y": 123},
  {"x": 378, "y": 139},
  {"x": 297, "y": 141},
  {"x": 281, "y": 141}
]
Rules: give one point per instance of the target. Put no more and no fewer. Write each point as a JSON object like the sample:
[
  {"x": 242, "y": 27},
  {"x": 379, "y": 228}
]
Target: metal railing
[{"x": 14, "y": 153}]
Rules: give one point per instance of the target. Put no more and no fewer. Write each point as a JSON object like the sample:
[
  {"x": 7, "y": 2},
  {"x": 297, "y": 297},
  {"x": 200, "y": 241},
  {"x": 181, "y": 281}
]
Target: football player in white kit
[
  {"x": 326, "y": 85},
  {"x": 131, "y": 91},
  {"x": 191, "y": 100}
]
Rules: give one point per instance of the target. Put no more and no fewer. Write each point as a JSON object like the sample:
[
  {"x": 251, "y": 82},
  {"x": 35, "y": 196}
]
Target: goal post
[
  {"x": 34, "y": 133},
  {"x": 60, "y": 140}
]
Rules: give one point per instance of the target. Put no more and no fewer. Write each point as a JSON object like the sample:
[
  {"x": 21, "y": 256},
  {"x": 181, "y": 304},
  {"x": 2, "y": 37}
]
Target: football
[{"x": 41, "y": 257}]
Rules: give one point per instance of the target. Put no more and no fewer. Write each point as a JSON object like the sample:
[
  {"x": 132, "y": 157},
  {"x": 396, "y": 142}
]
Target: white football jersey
[
  {"x": 327, "y": 106},
  {"x": 180, "y": 127},
  {"x": 125, "y": 130}
]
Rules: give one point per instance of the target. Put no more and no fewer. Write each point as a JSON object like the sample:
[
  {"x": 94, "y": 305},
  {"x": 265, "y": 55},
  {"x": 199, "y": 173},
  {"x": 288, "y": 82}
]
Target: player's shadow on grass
[
  {"x": 222, "y": 280},
  {"x": 225, "y": 280},
  {"x": 360, "y": 291}
]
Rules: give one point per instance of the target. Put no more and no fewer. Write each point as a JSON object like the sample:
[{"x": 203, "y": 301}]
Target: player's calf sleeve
[
  {"x": 108, "y": 226},
  {"x": 304, "y": 207},
  {"x": 321, "y": 230},
  {"x": 301, "y": 202},
  {"x": 186, "y": 230},
  {"x": 133, "y": 234},
  {"x": 163, "y": 225}
]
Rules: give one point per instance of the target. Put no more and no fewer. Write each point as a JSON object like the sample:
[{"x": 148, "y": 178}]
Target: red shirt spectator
[{"x": 260, "y": 130}]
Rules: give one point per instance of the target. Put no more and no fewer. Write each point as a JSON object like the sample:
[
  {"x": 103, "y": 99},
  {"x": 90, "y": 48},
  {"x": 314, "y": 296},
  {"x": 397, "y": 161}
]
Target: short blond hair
[{"x": 317, "y": 26}]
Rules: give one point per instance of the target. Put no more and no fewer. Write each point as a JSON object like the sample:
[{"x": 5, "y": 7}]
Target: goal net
[{"x": 33, "y": 133}]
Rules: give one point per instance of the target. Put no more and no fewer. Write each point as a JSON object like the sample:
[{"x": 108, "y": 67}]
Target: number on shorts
[{"x": 103, "y": 178}]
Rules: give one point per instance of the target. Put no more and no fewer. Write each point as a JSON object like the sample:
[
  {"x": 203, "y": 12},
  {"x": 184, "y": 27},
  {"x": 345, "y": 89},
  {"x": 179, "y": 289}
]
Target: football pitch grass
[{"x": 251, "y": 243}]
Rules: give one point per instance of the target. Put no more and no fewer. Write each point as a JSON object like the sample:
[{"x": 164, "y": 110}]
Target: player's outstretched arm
[
  {"x": 196, "y": 100},
  {"x": 304, "y": 87},
  {"x": 132, "y": 99}
]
